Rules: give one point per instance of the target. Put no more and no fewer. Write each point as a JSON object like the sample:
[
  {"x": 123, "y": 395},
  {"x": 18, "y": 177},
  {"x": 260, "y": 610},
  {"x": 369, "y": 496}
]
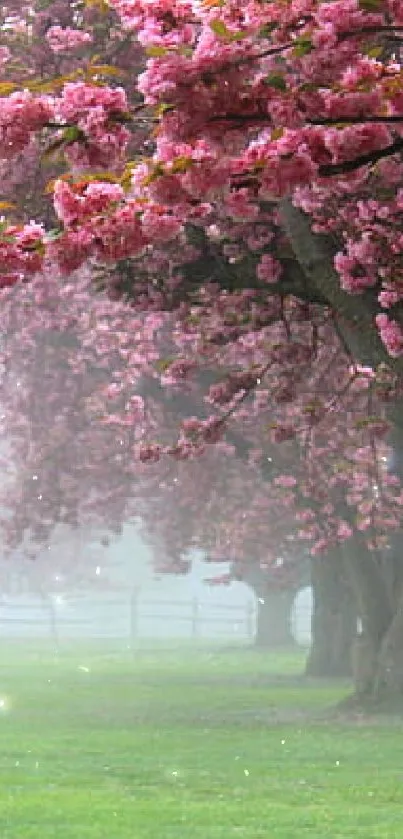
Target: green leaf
[
  {"x": 101, "y": 5},
  {"x": 373, "y": 52},
  {"x": 302, "y": 47},
  {"x": 277, "y": 81},
  {"x": 163, "y": 364},
  {"x": 157, "y": 171},
  {"x": 7, "y": 87},
  {"x": 219, "y": 28},
  {"x": 156, "y": 52},
  {"x": 371, "y": 5},
  {"x": 72, "y": 134},
  {"x": 163, "y": 108},
  {"x": 211, "y": 4},
  {"x": 267, "y": 29},
  {"x": 239, "y": 36},
  {"x": 181, "y": 164},
  {"x": 54, "y": 234},
  {"x": 104, "y": 70},
  {"x": 120, "y": 117},
  {"x": 308, "y": 87}
]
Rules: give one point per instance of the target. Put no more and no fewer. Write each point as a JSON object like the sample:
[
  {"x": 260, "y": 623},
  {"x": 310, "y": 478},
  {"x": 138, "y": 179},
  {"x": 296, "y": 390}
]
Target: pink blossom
[
  {"x": 389, "y": 297},
  {"x": 73, "y": 205},
  {"x": 119, "y": 234},
  {"x": 61, "y": 40},
  {"x": 269, "y": 269},
  {"x": 281, "y": 433},
  {"x": 344, "y": 530},
  {"x": 148, "y": 452},
  {"x": 352, "y": 276},
  {"x": 240, "y": 206},
  {"x": 285, "y": 481},
  {"x": 391, "y": 335},
  {"x": 21, "y": 252},
  {"x": 97, "y": 112},
  {"x": 79, "y": 99},
  {"x": 353, "y": 141},
  {"x": 5, "y": 55},
  {"x": 159, "y": 226},
  {"x": 320, "y": 546},
  {"x": 21, "y": 114},
  {"x": 71, "y": 250},
  {"x": 364, "y": 71},
  {"x": 113, "y": 390},
  {"x": 135, "y": 408}
]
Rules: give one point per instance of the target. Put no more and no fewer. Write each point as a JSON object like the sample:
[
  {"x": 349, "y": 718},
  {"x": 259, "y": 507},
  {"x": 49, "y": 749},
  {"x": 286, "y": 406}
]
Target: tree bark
[
  {"x": 387, "y": 683},
  {"x": 334, "y": 619},
  {"x": 377, "y": 582},
  {"x": 355, "y": 313},
  {"x": 273, "y": 625},
  {"x": 273, "y": 604},
  {"x": 378, "y": 650}
]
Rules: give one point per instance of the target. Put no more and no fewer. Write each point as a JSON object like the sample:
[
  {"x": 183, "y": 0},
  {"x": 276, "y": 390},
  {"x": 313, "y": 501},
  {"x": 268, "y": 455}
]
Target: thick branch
[
  {"x": 212, "y": 266},
  {"x": 355, "y": 313},
  {"x": 360, "y": 120},
  {"x": 346, "y": 166}
]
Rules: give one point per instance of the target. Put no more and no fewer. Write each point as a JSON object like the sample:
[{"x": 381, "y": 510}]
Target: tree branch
[
  {"x": 213, "y": 266},
  {"x": 346, "y": 166},
  {"x": 343, "y": 121},
  {"x": 356, "y": 313}
]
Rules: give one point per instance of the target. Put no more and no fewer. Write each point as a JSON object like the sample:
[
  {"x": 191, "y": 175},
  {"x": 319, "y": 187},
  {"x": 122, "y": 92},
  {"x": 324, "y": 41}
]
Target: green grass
[{"x": 188, "y": 745}]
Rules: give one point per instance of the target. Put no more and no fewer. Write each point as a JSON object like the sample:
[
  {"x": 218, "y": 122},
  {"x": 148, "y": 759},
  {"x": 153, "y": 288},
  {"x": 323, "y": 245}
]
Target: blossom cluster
[{"x": 65, "y": 39}]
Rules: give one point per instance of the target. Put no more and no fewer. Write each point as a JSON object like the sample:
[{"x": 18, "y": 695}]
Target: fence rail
[
  {"x": 127, "y": 618},
  {"x": 132, "y": 617}
]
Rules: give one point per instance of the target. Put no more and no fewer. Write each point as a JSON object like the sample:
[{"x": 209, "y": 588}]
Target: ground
[{"x": 185, "y": 744}]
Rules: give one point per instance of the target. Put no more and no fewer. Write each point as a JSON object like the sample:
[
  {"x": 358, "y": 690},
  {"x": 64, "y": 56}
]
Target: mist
[{"x": 121, "y": 598}]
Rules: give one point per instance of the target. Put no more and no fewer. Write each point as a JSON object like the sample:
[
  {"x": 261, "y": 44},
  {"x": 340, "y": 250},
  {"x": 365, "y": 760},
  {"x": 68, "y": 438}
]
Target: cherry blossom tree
[
  {"x": 68, "y": 462},
  {"x": 263, "y": 220}
]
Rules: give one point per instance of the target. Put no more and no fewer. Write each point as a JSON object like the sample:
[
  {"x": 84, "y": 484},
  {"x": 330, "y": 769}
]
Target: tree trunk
[
  {"x": 334, "y": 619},
  {"x": 273, "y": 624},
  {"x": 388, "y": 678},
  {"x": 378, "y": 651},
  {"x": 273, "y": 605},
  {"x": 378, "y": 666}
]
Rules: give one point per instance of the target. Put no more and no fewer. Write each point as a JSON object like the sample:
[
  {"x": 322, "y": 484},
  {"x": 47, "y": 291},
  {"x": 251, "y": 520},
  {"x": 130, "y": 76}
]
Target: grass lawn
[{"x": 99, "y": 744}]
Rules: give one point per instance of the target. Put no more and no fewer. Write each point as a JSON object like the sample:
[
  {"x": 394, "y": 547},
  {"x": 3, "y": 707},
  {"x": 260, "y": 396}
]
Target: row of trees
[{"x": 236, "y": 195}]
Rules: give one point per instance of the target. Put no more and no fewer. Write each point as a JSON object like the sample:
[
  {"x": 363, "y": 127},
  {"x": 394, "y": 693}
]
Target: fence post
[
  {"x": 195, "y": 617},
  {"x": 134, "y": 616}
]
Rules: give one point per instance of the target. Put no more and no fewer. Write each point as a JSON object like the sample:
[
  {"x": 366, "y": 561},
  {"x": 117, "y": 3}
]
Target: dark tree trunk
[
  {"x": 273, "y": 623},
  {"x": 387, "y": 676},
  {"x": 377, "y": 581},
  {"x": 388, "y": 681},
  {"x": 273, "y": 606},
  {"x": 334, "y": 619},
  {"x": 378, "y": 652}
]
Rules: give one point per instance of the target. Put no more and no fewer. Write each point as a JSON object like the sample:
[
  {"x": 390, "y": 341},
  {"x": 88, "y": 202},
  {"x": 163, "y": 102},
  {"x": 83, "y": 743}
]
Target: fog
[{"x": 121, "y": 597}]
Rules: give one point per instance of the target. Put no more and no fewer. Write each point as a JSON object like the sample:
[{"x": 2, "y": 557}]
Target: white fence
[
  {"x": 126, "y": 618},
  {"x": 133, "y": 617}
]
